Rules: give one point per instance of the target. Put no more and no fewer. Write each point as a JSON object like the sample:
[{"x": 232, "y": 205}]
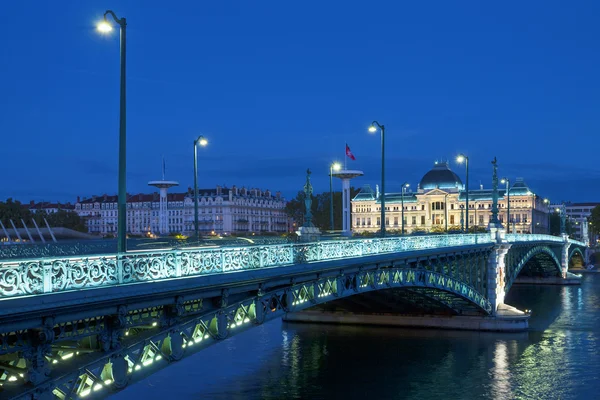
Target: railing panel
[
  {"x": 70, "y": 274},
  {"x": 21, "y": 278}
]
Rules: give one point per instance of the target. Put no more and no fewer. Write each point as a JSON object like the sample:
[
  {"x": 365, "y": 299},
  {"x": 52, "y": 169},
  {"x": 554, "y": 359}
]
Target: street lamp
[
  {"x": 460, "y": 159},
  {"x": 547, "y": 203},
  {"x": 404, "y": 186},
  {"x": 201, "y": 141},
  {"x": 373, "y": 129},
  {"x": 332, "y": 167},
  {"x": 507, "y": 182},
  {"x": 105, "y": 27}
]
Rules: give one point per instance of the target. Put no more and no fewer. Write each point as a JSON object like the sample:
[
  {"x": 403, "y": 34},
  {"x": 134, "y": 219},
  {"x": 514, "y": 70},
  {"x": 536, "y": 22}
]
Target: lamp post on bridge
[
  {"x": 332, "y": 167},
  {"x": 373, "y": 129},
  {"x": 201, "y": 141},
  {"x": 547, "y": 203},
  {"x": 105, "y": 27},
  {"x": 404, "y": 186},
  {"x": 507, "y": 182},
  {"x": 460, "y": 159}
]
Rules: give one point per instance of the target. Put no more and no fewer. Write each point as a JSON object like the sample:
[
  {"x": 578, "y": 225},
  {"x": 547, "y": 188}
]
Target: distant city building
[
  {"x": 439, "y": 205},
  {"x": 579, "y": 213},
  {"x": 220, "y": 211},
  {"x": 48, "y": 208}
]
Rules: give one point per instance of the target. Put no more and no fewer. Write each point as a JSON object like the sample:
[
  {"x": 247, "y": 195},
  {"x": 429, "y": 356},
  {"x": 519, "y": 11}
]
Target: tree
[
  {"x": 320, "y": 208},
  {"x": 13, "y": 210},
  {"x": 594, "y": 224},
  {"x": 555, "y": 225}
]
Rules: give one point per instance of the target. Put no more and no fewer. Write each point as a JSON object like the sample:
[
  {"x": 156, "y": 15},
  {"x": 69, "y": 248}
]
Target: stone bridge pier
[{"x": 564, "y": 259}]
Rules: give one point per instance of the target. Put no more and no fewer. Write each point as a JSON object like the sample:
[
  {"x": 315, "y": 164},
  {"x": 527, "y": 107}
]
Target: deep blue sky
[{"x": 280, "y": 86}]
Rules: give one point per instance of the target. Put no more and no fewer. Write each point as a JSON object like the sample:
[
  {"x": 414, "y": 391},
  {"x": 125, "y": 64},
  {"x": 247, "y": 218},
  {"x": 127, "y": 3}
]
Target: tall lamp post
[
  {"x": 105, "y": 27},
  {"x": 332, "y": 167},
  {"x": 460, "y": 159},
  {"x": 201, "y": 141},
  {"x": 507, "y": 182},
  {"x": 404, "y": 186},
  {"x": 373, "y": 129},
  {"x": 547, "y": 203}
]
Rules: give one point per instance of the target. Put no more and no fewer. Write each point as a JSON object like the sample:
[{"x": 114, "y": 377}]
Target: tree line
[{"x": 16, "y": 211}]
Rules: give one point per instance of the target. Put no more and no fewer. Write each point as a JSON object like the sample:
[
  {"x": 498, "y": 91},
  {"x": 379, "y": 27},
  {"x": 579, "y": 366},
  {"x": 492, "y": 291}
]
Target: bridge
[{"x": 80, "y": 327}]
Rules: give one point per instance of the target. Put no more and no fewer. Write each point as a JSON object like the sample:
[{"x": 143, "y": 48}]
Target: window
[
  {"x": 452, "y": 220},
  {"x": 378, "y": 221},
  {"x": 395, "y": 221},
  {"x": 481, "y": 220},
  {"x": 422, "y": 220},
  {"x": 414, "y": 220}
]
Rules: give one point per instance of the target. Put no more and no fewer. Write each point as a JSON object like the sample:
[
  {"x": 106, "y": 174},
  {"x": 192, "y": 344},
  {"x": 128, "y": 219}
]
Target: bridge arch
[
  {"x": 576, "y": 252},
  {"x": 538, "y": 260}
]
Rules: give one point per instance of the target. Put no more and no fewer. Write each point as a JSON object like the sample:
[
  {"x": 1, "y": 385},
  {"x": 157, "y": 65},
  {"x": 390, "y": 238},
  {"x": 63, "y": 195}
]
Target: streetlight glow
[
  {"x": 104, "y": 27},
  {"x": 407, "y": 185},
  {"x": 336, "y": 166},
  {"x": 122, "y": 196},
  {"x": 460, "y": 159},
  {"x": 201, "y": 141},
  {"x": 373, "y": 129}
]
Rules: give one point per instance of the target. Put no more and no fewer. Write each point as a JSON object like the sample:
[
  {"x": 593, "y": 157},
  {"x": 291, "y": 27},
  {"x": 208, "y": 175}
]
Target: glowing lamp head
[
  {"x": 460, "y": 158},
  {"x": 502, "y": 180},
  {"x": 104, "y": 27},
  {"x": 372, "y": 129},
  {"x": 336, "y": 166},
  {"x": 546, "y": 201},
  {"x": 407, "y": 185},
  {"x": 557, "y": 209},
  {"x": 202, "y": 141}
]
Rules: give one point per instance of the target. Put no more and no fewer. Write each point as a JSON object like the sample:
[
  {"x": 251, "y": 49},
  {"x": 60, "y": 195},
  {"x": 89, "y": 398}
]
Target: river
[{"x": 558, "y": 358}]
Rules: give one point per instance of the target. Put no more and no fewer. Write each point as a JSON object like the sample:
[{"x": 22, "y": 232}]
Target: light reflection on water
[{"x": 557, "y": 359}]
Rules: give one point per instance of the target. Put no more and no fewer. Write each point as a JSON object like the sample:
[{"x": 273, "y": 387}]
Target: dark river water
[{"x": 558, "y": 358}]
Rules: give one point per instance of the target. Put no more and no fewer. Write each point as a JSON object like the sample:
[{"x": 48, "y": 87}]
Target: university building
[
  {"x": 221, "y": 210},
  {"x": 439, "y": 204}
]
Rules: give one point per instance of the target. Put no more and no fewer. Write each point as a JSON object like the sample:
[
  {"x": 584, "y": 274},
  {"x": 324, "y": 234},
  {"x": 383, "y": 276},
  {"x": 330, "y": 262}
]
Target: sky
[{"x": 278, "y": 87}]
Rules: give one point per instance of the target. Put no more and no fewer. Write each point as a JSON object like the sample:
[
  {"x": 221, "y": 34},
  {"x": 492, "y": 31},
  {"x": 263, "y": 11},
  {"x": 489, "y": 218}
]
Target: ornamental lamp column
[
  {"x": 373, "y": 129},
  {"x": 105, "y": 27},
  {"x": 404, "y": 186},
  {"x": 507, "y": 182},
  {"x": 460, "y": 159},
  {"x": 200, "y": 141},
  {"x": 332, "y": 167}
]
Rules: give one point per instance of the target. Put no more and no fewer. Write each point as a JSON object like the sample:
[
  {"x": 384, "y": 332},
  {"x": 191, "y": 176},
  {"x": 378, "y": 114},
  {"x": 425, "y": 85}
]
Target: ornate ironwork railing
[
  {"x": 56, "y": 274},
  {"x": 526, "y": 237}
]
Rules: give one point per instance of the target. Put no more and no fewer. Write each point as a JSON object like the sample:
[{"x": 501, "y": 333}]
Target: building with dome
[{"x": 438, "y": 205}]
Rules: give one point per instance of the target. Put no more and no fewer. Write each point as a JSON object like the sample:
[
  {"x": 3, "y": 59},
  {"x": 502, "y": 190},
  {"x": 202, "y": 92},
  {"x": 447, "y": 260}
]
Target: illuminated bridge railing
[
  {"x": 50, "y": 275},
  {"x": 526, "y": 237}
]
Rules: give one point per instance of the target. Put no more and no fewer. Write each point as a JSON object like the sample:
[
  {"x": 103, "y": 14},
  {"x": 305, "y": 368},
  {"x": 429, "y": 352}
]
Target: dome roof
[{"x": 440, "y": 177}]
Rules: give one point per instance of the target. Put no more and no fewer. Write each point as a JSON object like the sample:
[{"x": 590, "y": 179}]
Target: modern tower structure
[
  {"x": 163, "y": 214},
  {"x": 345, "y": 175}
]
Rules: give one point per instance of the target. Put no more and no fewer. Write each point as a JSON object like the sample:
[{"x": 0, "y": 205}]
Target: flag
[{"x": 349, "y": 153}]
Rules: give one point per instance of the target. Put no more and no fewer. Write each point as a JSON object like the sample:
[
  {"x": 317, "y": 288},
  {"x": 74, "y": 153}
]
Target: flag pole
[{"x": 345, "y": 157}]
